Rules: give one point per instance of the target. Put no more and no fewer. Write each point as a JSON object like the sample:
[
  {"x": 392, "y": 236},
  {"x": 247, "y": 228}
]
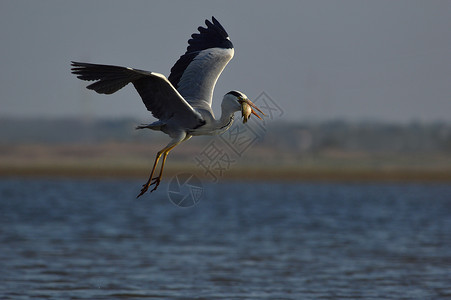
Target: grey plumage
[{"x": 182, "y": 102}]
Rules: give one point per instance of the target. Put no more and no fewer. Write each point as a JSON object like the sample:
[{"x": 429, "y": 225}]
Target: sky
[{"x": 318, "y": 60}]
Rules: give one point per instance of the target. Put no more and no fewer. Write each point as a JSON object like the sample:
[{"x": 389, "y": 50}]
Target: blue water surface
[{"x": 91, "y": 239}]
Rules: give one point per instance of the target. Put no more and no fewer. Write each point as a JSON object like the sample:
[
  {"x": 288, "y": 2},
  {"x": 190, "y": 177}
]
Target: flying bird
[{"x": 181, "y": 102}]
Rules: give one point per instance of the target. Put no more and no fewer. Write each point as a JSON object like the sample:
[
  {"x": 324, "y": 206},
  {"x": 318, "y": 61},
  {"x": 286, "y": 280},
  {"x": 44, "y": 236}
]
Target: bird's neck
[
  {"x": 216, "y": 126},
  {"x": 225, "y": 121}
]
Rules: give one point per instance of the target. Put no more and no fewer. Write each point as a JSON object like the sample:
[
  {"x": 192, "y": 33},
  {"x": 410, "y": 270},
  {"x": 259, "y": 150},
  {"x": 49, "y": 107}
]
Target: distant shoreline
[
  {"x": 248, "y": 173},
  {"x": 134, "y": 160}
]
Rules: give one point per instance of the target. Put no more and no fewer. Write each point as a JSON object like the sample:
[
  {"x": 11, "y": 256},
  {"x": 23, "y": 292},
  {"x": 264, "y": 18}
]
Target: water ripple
[{"x": 92, "y": 240}]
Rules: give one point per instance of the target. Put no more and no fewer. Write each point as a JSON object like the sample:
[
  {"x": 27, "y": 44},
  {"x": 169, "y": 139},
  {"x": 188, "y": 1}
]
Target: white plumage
[{"x": 181, "y": 102}]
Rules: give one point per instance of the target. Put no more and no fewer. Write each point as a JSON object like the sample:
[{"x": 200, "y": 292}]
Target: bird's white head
[{"x": 237, "y": 101}]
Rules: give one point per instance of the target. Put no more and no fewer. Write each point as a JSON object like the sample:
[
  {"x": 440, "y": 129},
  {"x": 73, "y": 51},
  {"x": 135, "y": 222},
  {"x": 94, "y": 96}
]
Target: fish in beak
[{"x": 247, "y": 109}]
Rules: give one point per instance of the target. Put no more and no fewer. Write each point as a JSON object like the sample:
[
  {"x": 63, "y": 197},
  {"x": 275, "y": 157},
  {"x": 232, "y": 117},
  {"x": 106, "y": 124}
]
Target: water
[{"x": 69, "y": 239}]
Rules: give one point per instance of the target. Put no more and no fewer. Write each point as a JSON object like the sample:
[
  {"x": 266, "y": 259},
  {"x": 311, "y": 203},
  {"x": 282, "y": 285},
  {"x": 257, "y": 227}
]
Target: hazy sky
[{"x": 357, "y": 60}]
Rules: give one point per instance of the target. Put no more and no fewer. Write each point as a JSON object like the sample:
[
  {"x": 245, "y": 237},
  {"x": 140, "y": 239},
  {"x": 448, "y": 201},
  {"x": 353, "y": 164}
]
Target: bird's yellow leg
[
  {"x": 147, "y": 184},
  {"x": 157, "y": 180},
  {"x": 164, "y": 152}
]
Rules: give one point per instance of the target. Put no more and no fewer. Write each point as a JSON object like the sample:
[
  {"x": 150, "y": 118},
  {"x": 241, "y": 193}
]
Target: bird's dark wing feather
[
  {"x": 194, "y": 75},
  {"x": 157, "y": 93}
]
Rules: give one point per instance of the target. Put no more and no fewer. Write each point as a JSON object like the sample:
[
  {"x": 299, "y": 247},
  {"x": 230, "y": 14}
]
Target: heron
[{"x": 181, "y": 102}]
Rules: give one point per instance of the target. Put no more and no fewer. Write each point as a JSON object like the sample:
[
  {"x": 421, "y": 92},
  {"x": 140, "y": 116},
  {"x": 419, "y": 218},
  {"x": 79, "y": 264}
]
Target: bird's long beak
[{"x": 247, "y": 109}]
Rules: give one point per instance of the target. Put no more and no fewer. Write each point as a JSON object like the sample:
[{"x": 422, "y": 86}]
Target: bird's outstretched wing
[
  {"x": 195, "y": 74},
  {"x": 157, "y": 93}
]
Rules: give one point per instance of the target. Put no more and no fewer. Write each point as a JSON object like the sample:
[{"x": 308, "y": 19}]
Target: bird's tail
[
  {"x": 154, "y": 126},
  {"x": 109, "y": 79}
]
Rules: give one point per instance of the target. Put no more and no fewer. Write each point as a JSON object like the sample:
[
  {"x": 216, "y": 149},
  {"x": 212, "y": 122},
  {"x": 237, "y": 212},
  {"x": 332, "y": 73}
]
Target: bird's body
[{"x": 181, "y": 102}]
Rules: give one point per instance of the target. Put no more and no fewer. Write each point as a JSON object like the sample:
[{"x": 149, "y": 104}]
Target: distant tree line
[
  {"x": 289, "y": 136},
  {"x": 362, "y": 136}
]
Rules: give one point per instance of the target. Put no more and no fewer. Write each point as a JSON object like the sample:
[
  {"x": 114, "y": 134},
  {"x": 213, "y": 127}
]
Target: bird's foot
[
  {"x": 155, "y": 181},
  {"x": 143, "y": 190}
]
